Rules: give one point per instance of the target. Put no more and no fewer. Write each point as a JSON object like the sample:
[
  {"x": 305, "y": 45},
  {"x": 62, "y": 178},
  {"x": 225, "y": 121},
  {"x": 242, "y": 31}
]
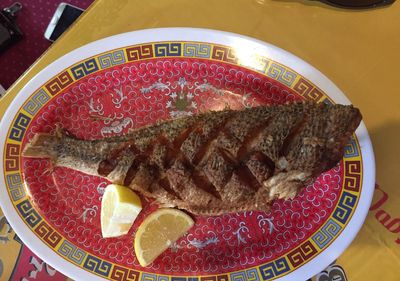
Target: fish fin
[
  {"x": 166, "y": 205},
  {"x": 285, "y": 185},
  {"x": 131, "y": 130},
  {"x": 41, "y": 146}
]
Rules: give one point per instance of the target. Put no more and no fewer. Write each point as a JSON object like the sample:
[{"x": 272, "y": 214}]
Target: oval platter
[{"x": 134, "y": 79}]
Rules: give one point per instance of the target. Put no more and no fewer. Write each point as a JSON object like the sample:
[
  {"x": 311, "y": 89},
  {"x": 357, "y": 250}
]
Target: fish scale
[{"x": 215, "y": 162}]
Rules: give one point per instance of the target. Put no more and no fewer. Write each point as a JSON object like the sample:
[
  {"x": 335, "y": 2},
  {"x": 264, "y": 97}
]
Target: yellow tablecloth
[{"x": 357, "y": 50}]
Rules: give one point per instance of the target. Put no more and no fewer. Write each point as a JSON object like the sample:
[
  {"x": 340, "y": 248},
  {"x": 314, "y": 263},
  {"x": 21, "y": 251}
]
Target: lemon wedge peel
[
  {"x": 158, "y": 232},
  {"x": 120, "y": 206}
]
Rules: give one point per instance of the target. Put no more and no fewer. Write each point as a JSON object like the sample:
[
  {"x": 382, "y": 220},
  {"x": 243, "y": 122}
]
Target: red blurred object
[{"x": 32, "y": 20}]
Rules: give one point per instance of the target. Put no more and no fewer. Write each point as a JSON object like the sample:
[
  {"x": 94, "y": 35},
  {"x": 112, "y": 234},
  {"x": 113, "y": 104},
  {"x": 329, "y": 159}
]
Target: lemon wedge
[
  {"x": 119, "y": 208},
  {"x": 158, "y": 231}
]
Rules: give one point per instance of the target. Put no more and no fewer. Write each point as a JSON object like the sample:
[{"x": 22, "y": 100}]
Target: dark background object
[
  {"x": 9, "y": 30},
  {"x": 33, "y": 20},
  {"x": 67, "y": 17},
  {"x": 359, "y": 3}
]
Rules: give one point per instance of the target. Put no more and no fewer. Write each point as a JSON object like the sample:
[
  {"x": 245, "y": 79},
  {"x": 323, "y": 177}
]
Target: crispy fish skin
[{"x": 215, "y": 162}]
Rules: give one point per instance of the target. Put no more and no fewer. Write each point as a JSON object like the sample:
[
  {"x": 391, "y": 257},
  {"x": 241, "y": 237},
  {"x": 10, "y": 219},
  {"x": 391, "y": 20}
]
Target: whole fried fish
[{"x": 215, "y": 162}]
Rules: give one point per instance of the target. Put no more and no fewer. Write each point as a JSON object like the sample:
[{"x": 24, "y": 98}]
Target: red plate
[{"x": 137, "y": 85}]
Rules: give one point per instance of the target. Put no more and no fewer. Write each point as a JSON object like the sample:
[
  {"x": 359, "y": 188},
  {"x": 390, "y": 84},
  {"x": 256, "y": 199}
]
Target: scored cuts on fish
[{"x": 215, "y": 162}]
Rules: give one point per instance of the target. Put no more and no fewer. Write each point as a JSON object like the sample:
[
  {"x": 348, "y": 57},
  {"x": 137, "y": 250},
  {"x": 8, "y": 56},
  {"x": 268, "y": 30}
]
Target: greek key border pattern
[{"x": 271, "y": 69}]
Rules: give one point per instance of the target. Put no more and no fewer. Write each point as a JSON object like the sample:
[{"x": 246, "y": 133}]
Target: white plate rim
[{"x": 309, "y": 269}]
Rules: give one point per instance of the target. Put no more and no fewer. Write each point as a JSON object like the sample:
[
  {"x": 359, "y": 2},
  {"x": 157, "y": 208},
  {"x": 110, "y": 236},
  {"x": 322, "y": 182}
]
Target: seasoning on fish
[{"x": 216, "y": 162}]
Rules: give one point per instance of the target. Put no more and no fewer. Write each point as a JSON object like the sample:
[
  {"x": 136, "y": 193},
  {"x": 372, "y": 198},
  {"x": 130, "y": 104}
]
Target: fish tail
[{"x": 42, "y": 146}]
